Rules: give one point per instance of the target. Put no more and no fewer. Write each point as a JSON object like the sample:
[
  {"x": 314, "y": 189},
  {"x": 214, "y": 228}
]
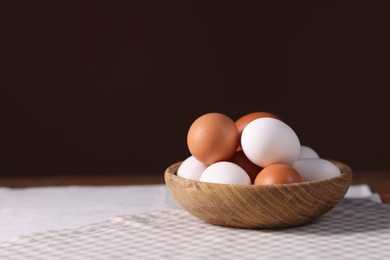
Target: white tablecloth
[
  {"x": 28, "y": 210},
  {"x": 143, "y": 222},
  {"x": 23, "y": 211}
]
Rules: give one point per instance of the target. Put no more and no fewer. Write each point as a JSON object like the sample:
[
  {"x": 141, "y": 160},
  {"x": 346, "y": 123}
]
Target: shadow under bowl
[{"x": 258, "y": 206}]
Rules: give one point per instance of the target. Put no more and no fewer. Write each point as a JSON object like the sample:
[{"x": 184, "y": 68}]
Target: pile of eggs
[{"x": 258, "y": 148}]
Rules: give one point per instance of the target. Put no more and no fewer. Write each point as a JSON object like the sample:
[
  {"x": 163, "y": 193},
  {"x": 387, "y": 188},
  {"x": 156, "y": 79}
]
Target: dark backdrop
[{"x": 114, "y": 88}]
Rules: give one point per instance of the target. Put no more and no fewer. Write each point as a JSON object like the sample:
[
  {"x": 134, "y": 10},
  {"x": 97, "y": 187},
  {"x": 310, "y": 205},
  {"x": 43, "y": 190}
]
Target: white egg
[
  {"x": 226, "y": 173},
  {"x": 313, "y": 169},
  {"x": 191, "y": 169},
  {"x": 267, "y": 141},
  {"x": 307, "y": 152}
]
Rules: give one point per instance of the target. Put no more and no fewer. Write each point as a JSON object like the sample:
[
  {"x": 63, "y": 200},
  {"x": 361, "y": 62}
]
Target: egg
[
  {"x": 243, "y": 121},
  {"x": 191, "y": 169},
  {"x": 313, "y": 169},
  {"x": 278, "y": 174},
  {"x": 249, "y": 167},
  {"x": 307, "y": 152},
  {"x": 267, "y": 141},
  {"x": 225, "y": 173},
  {"x": 213, "y": 137}
]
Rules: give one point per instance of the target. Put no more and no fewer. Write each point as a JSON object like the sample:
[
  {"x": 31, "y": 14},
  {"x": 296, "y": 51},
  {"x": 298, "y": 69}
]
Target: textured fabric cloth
[
  {"x": 28, "y": 210},
  {"x": 354, "y": 229}
]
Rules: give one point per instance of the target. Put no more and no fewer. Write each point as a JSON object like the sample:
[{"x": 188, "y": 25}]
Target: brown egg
[
  {"x": 251, "y": 169},
  {"x": 278, "y": 174},
  {"x": 213, "y": 137},
  {"x": 243, "y": 121}
]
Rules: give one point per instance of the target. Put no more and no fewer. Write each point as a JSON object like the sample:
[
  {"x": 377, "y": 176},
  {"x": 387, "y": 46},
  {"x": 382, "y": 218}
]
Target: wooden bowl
[{"x": 258, "y": 206}]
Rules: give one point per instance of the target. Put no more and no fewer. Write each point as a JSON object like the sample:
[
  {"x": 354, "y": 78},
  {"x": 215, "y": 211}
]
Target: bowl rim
[{"x": 345, "y": 172}]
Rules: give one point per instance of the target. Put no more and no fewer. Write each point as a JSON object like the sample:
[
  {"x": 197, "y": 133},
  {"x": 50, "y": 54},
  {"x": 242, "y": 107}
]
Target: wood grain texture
[{"x": 258, "y": 206}]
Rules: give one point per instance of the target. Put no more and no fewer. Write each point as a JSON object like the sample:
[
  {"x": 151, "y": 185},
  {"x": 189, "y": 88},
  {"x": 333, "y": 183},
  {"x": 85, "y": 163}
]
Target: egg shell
[
  {"x": 307, "y": 152},
  {"x": 267, "y": 141},
  {"x": 249, "y": 167},
  {"x": 213, "y": 137},
  {"x": 278, "y": 174},
  {"x": 191, "y": 169},
  {"x": 243, "y": 121},
  {"x": 225, "y": 173},
  {"x": 313, "y": 169}
]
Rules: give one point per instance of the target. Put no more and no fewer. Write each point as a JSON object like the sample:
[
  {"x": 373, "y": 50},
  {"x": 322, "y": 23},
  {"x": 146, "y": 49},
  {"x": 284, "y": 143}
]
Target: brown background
[{"x": 113, "y": 89}]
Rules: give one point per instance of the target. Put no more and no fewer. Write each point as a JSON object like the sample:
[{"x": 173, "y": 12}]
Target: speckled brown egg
[{"x": 213, "y": 137}]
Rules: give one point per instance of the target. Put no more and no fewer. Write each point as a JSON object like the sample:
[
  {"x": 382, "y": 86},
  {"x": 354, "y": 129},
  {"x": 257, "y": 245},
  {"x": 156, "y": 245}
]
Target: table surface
[
  {"x": 378, "y": 181},
  {"x": 71, "y": 215}
]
